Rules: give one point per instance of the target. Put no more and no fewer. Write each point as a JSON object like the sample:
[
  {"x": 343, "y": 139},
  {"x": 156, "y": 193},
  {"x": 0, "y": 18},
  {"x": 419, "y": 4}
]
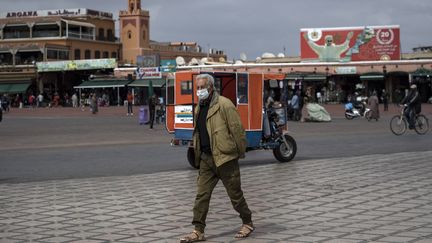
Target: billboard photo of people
[{"x": 369, "y": 43}]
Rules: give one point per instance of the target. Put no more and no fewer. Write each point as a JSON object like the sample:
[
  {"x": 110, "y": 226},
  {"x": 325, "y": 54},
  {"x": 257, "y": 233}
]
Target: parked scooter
[{"x": 361, "y": 110}]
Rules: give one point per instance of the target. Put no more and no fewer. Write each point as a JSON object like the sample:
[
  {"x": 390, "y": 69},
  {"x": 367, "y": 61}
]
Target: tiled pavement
[{"x": 379, "y": 198}]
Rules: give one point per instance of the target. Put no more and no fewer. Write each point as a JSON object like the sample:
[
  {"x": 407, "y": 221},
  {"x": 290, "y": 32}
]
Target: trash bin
[{"x": 143, "y": 116}]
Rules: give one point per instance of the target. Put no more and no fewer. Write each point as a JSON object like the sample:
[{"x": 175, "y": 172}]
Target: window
[
  {"x": 242, "y": 88},
  {"x": 87, "y": 54},
  {"x": 144, "y": 35},
  {"x": 97, "y": 55},
  {"x": 114, "y": 54},
  {"x": 130, "y": 34},
  {"x": 105, "y": 54},
  {"x": 110, "y": 35},
  {"x": 186, "y": 87},
  {"x": 77, "y": 54},
  {"x": 51, "y": 54},
  {"x": 63, "y": 55},
  {"x": 101, "y": 34}
]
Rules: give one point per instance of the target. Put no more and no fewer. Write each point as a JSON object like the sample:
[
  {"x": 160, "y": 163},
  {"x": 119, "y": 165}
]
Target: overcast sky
[{"x": 258, "y": 26}]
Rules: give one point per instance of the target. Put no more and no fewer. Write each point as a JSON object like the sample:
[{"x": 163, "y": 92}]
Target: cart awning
[
  {"x": 156, "y": 83},
  {"x": 14, "y": 88},
  {"x": 95, "y": 84}
]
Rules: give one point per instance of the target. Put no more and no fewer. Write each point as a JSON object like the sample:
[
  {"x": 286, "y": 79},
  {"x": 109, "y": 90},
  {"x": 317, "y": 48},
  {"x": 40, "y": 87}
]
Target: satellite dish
[
  {"x": 180, "y": 61},
  {"x": 243, "y": 56},
  {"x": 238, "y": 62},
  {"x": 258, "y": 59},
  {"x": 194, "y": 61},
  {"x": 281, "y": 55},
  {"x": 268, "y": 55},
  {"x": 221, "y": 59}
]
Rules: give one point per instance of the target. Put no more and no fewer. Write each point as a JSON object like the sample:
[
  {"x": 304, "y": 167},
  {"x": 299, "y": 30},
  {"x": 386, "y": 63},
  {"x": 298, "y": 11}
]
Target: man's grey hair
[{"x": 208, "y": 77}]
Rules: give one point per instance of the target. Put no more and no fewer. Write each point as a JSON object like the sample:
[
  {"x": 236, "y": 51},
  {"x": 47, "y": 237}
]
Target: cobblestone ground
[{"x": 379, "y": 198}]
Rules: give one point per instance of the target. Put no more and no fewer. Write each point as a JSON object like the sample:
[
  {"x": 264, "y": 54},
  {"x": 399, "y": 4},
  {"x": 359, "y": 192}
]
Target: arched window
[
  {"x": 114, "y": 55},
  {"x": 87, "y": 54},
  {"x": 130, "y": 34},
  {"x": 101, "y": 34},
  {"x": 144, "y": 35},
  {"x": 97, "y": 55},
  {"x": 77, "y": 54},
  {"x": 105, "y": 54}
]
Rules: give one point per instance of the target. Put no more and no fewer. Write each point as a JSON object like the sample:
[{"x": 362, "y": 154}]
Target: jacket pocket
[{"x": 224, "y": 141}]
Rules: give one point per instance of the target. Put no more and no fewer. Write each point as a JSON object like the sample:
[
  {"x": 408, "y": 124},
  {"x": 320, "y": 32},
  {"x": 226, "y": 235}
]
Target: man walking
[
  {"x": 153, "y": 102},
  {"x": 129, "y": 104},
  {"x": 219, "y": 141}
]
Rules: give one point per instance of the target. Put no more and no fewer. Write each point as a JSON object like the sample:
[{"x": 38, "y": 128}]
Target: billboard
[
  {"x": 369, "y": 43},
  {"x": 56, "y": 66}
]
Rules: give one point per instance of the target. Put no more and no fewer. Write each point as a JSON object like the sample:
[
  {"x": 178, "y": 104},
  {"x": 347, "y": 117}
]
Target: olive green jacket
[{"x": 226, "y": 133}]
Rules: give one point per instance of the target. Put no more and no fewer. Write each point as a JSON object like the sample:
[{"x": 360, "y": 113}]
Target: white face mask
[{"x": 202, "y": 94}]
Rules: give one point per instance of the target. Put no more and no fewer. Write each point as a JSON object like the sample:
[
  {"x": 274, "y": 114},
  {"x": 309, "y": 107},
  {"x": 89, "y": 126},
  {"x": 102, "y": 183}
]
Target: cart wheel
[
  {"x": 191, "y": 157},
  {"x": 284, "y": 154}
]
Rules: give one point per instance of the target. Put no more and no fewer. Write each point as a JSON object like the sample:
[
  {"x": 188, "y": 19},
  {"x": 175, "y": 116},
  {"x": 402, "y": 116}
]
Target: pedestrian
[
  {"x": 74, "y": 100},
  {"x": 31, "y": 100},
  {"x": 5, "y": 103},
  {"x": 373, "y": 104},
  {"x": 219, "y": 142},
  {"x": 40, "y": 99},
  {"x": 295, "y": 105},
  {"x": 83, "y": 101},
  {"x": 129, "y": 104},
  {"x": 153, "y": 102},
  {"x": 93, "y": 104},
  {"x": 385, "y": 97}
]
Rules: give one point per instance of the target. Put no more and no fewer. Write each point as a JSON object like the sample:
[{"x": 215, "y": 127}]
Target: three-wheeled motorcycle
[{"x": 266, "y": 126}]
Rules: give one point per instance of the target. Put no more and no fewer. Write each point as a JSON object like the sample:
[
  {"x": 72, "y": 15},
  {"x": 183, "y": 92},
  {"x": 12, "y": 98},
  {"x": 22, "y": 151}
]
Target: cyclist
[{"x": 413, "y": 104}]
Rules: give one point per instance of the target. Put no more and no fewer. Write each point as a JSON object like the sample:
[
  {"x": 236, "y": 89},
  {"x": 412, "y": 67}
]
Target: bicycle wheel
[
  {"x": 421, "y": 124},
  {"x": 398, "y": 125}
]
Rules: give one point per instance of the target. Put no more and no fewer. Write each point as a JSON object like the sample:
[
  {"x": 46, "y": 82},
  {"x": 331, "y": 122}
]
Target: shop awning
[
  {"x": 306, "y": 77},
  {"x": 95, "y": 84},
  {"x": 14, "y": 88},
  {"x": 156, "y": 83},
  {"x": 422, "y": 72},
  {"x": 372, "y": 76}
]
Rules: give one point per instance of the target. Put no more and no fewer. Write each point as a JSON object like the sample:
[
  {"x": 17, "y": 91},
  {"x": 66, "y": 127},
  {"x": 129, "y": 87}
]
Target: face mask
[{"x": 202, "y": 94}]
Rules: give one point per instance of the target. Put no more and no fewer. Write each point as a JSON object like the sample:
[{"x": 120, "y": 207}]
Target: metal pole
[{"x": 118, "y": 96}]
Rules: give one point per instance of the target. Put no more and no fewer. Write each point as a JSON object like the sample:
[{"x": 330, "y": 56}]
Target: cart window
[
  {"x": 242, "y": 89},
  {"x": 170, "y": 92},
  {"x": 217, "y": 85},
  {"x": 186, "y": 87}
]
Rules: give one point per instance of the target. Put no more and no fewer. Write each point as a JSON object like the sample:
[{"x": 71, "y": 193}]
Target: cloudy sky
[{"x": 258, "y": 26}]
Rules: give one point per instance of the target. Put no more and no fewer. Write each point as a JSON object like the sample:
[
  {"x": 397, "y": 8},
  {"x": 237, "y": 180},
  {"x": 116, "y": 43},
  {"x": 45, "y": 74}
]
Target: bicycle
[{"x": 399, "y": 123}]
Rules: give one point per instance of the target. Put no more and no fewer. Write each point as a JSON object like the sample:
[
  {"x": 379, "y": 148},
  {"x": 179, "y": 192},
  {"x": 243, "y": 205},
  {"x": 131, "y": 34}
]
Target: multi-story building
[{"x": 27, "y": 37}]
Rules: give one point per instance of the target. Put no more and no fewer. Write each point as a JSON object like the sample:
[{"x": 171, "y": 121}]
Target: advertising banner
[
  {"x": 168, "y": 66},
  {"x": 183, "y": 114},
  {"x": 148, "y": 73},
  {"x": 73, "y": 65},
  {"x": 148, "y": 61},
  {"x": 369, "y": 43}
]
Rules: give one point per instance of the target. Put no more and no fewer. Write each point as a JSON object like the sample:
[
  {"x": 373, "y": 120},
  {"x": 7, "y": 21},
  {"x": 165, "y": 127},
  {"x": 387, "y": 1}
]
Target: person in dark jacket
[
  {"x": 153, "y": 101},
  {"x": 413, "y": 103}
]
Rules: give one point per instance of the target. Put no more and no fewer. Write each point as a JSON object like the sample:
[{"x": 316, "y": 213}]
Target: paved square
[{"x": 379, "y": 198}]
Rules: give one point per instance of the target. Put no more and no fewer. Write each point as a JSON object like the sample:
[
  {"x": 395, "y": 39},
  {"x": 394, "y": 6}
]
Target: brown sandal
[
  {"x": 245, "y": 231},
  {"x": 194, "y": 236}
]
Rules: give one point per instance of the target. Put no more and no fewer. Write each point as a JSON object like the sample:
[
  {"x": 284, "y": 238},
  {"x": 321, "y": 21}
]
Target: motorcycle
[{"x": 352, "y": 111}]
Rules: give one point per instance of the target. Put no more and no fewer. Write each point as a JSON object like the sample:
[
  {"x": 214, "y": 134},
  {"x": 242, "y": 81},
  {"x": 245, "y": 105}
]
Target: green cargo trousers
[{"x": 209, "y": 175}]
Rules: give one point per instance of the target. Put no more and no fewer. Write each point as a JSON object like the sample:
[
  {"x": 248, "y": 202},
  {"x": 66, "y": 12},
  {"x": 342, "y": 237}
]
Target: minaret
[{"x": 134, "y": 31}]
